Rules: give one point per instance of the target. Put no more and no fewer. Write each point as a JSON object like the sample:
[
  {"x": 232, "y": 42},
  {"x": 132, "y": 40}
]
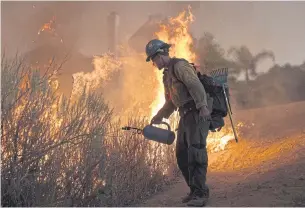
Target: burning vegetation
[
  {"x": 137, "y": 78},
  {"x": 50, "y": 28},
  {"x": 60, "y": 151}
]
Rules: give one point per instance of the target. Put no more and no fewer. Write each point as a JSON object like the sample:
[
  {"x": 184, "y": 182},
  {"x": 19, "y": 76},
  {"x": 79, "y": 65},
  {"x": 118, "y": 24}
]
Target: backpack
[{"x": 215, "y": 85}]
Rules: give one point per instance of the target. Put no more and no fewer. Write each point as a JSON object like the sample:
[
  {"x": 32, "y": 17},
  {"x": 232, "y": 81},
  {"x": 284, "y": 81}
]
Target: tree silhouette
[
  {"x": 211, "y": 54},
  {"x": 246, "y": 61}
]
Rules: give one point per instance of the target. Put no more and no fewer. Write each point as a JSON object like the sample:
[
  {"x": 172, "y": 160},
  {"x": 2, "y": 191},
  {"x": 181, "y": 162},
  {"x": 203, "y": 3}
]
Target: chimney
[{"x": 113, "y": 32}]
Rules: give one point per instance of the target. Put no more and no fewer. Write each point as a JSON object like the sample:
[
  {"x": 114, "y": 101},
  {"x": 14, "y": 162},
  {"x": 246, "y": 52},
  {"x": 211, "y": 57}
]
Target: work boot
[
  {"x": 199, "y": 200},
  {"x": 187, "y": 198}
]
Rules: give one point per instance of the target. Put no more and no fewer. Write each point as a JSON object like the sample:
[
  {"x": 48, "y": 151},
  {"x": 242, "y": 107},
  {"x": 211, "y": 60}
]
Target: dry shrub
[
  {"x": 137, "y": 167},
  {"x": 61, "y": 152}
]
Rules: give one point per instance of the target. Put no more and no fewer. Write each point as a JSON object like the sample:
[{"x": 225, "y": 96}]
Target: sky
[{"x": 276, "y": 26}]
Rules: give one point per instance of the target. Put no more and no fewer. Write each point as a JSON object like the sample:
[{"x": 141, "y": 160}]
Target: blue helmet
[{"x": 155, "y": 46}]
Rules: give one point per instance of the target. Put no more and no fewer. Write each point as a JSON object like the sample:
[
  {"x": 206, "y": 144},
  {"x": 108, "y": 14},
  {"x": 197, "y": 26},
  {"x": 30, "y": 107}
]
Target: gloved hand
[
  {"x": 156, "y": 119},
  {"x": 204, "y": 114}
]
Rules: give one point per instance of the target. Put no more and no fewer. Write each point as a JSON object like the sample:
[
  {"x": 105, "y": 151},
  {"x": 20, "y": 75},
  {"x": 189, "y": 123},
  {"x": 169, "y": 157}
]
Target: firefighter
[{"x": 184, "y": 91}]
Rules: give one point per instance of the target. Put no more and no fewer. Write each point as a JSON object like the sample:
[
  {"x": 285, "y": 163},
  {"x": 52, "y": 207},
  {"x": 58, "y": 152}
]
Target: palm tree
[{"x": 246, "y": 61}]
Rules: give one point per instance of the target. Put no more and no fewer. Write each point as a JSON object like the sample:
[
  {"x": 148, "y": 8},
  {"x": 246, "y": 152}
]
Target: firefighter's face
[{"x": 158, "y": 61}]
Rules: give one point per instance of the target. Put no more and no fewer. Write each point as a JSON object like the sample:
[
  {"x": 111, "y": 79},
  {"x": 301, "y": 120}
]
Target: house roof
[{"x": 145, "y": 33}]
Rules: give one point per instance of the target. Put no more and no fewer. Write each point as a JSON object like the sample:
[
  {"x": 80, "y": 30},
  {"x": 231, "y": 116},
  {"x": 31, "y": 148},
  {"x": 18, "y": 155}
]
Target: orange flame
[
  {"x": 49, "y": 26},
  {"x": 176, "y": 32},
  {"x": 103, "y": 66}
]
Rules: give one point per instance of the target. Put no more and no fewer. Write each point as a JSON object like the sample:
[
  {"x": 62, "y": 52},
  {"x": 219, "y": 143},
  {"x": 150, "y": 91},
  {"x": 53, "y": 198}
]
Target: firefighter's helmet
[{"x": 155, "y": 46}]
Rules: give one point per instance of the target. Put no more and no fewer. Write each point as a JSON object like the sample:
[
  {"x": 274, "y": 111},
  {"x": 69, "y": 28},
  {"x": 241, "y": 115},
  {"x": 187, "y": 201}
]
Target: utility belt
[{"x": 187, "y": 107}]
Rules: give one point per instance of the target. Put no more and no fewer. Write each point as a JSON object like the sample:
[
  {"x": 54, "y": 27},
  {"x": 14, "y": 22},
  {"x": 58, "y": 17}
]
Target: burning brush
[{"x": 50, "y": 27}]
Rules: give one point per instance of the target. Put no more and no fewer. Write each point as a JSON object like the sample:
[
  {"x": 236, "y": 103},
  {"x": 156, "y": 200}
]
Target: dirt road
[{"x": 266, "y": 168}]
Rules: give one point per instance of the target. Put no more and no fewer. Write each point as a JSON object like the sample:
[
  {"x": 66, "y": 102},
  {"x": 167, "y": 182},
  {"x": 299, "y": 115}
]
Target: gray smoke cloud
[{"x": 278, "y": 26}]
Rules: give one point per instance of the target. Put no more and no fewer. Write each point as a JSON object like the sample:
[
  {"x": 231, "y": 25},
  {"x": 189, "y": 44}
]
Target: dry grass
[{"x": 59, "y": 152}]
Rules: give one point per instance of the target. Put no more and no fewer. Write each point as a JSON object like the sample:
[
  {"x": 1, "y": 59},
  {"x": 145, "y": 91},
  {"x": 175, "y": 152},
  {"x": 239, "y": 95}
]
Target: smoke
[
  {"x": 280, "y": 85},
  {"x": 21, "y": 33},
  {"x": 83, "y": 27},
  {"x": 232, "y": 23}
]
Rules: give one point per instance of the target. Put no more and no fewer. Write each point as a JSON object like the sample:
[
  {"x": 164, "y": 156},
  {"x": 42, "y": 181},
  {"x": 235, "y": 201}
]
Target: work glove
[
  {"x": 157, "y": 119},
  {"x": 204, "y": 114}
]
